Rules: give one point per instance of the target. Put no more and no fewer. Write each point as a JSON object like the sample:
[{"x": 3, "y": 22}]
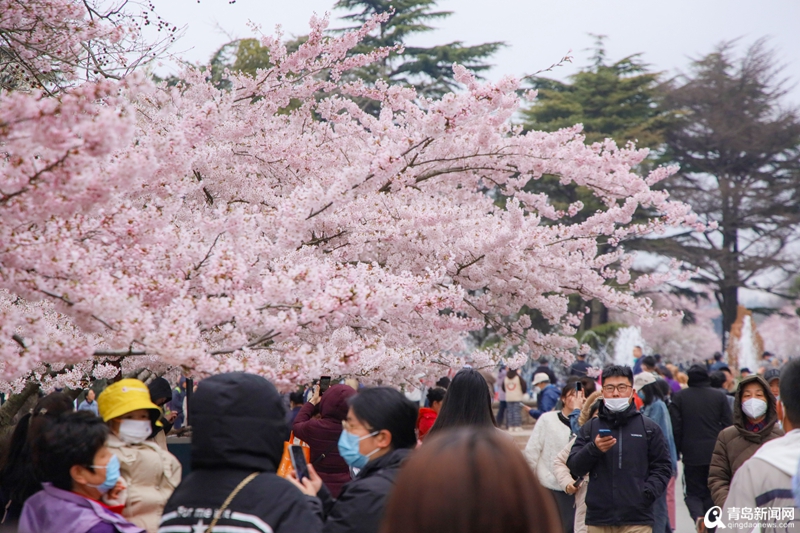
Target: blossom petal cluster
[{"x": 278, "y": 228}]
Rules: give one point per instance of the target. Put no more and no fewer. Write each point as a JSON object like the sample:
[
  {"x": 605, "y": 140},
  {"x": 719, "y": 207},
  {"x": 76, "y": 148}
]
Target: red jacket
[
  {"x": 322, "y": 435},
  {"x": 425, "y": 420}
]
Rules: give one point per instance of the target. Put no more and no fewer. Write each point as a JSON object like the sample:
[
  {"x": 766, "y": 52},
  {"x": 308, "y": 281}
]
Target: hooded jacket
[
  {"x": 735, "y": 444},
  {"x": 627, "y": 479},
  {"x": 765, "y": 481},
  {"x": 159, "y": 389},
  {"x": 360, "y": 506},
  {"x": 239, "y": 427},
  {"x": 698, "y": 414},
  {"x": 322, "y": 435}
]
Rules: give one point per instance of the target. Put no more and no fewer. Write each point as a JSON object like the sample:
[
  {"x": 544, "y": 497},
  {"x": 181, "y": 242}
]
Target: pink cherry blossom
[{"x": 276, "y": 228}]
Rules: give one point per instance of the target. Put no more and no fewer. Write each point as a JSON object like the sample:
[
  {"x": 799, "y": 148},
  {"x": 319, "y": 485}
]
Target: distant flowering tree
[
  {"x": 686, "y": 335},
  {"x": 277, "y": 228},
  {"x": 781, "y": 332}
]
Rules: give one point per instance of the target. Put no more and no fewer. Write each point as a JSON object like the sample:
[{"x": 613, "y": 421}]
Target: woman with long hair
[
  {"x": 467, "y": 403},
  {"x": 18, "y": 477},
  {"x": 469, "y": 480}
]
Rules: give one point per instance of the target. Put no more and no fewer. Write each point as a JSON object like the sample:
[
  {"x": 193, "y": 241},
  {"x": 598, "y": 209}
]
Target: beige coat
[
  {"x": 514, "y": 389},
  {"x": 564, "y": 478},
  {"x": 151, "y": 475}
]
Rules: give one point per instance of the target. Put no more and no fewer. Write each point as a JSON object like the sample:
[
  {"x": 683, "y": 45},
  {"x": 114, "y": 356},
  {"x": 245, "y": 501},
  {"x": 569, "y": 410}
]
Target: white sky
[{"x": 538, "y": 33}]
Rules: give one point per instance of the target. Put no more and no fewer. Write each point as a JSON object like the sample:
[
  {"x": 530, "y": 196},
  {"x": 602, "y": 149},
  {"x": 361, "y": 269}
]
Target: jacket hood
[
  {"x": 333, "y": 403},
  {"x": 159, "y": 388},
  {"x": 238, "y": 421},
  {"x": 587, "y": 407},
  {"x": 698, "y": 375},
  {"x": 739, "y": 417},
  {"x": 782, "y": 453}
]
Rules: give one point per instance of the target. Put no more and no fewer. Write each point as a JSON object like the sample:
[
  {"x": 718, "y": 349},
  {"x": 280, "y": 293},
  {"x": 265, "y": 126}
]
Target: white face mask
[
  {"x": 754, "y": 408},
  {"x": 134, "y": 431},
  {"x": 617, "y": 405}
]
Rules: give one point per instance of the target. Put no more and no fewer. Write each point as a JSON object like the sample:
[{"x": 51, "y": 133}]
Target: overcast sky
[{"x": 538, "y": 33}]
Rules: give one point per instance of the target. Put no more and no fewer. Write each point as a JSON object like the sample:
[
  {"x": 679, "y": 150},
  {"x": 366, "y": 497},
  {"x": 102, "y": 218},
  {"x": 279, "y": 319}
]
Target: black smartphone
[
  {"x": 578, "y": 482},
  {"x": 604, "y": 432},
  {"x": 298, "y": 461},
  {"x": 324, "y": 384},
  {"x": 578, "y": 386}
]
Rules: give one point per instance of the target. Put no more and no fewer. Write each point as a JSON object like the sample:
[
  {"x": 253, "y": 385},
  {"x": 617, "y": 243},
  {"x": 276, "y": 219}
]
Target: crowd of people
[{"x": 603, "y": 455}]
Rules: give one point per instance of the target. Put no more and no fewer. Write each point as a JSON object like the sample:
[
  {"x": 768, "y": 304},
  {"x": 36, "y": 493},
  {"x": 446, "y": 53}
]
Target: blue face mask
[
  {"x": 641, "y": 395},
  {"x": 112, "y": 475},
  {"x": 349, "y": 449}
]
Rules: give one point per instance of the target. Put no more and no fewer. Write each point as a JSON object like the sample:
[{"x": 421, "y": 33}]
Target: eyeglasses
[
  {"x": 622, "y": 389},
  {"x": 348, "y": 427}
]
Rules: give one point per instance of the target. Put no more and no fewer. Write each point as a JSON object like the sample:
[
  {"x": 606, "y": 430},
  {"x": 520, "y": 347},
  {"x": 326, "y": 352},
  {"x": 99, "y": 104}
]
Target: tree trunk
[
  {"x": 15, "y": 402},
  {"x": 728, "y": 299}
]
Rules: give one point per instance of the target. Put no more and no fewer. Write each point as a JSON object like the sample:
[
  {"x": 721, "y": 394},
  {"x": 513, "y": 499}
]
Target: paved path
[{"x": 684, "y": 524}]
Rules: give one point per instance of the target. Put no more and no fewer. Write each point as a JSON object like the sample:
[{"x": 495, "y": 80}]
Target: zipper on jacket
[{"x": 620, "y": 448}]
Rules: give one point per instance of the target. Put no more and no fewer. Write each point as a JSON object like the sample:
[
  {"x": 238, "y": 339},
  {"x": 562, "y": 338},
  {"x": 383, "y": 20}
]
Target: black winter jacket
[
  {"x": 239, "y": 427},
  {"x": 698, "y": 414},
  {"x": 359, "y": 508},
  {"x": 626, "y": 480}
]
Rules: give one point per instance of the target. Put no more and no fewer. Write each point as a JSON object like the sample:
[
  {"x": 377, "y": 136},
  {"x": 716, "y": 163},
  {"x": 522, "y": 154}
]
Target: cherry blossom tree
[
  {"x": 781, "y": 332},
  {"x": 277, "y": 228}
]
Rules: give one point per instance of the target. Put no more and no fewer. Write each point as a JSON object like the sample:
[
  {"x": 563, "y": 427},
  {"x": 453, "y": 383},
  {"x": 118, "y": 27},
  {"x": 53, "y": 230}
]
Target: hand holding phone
[
  {"x": 604, "y": 441},
  {"x": 298, "y": 462},
  {"x": 324, "y": 384}
]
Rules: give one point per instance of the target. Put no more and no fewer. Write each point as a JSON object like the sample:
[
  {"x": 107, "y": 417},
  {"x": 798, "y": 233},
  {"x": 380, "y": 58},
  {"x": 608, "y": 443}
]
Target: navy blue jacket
[{"x": 626, "y": 480}]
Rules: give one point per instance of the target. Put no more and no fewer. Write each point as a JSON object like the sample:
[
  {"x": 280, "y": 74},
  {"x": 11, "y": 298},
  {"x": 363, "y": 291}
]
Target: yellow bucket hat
[{"x": 123, "y": 397}]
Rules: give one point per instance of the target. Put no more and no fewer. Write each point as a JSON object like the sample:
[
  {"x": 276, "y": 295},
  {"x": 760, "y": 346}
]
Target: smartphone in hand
[
  {"x": 298, "y": 462},
  {"x": 324, "y": 384}
]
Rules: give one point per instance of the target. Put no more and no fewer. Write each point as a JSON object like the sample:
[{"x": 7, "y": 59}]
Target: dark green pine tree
[
  {"x": 621, "y": 101},
  {"x": 428, "y": 70}
]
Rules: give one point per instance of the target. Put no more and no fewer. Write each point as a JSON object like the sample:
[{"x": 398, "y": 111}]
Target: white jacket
[
  {"x": 564, "y": 477},
  {"x": 549, "y": 437},
  {"x": 765, "y": 481}
]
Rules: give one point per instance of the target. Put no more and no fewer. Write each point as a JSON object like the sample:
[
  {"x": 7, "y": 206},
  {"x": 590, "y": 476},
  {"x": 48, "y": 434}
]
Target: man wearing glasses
[{"x": 627, "y": 458}]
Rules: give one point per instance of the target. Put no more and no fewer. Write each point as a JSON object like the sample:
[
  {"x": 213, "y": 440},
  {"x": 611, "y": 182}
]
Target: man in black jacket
[
  {"x": 627, "y": 458},
  {"x": 698, "y": 414},
  {"x": 239, "y": 427}
]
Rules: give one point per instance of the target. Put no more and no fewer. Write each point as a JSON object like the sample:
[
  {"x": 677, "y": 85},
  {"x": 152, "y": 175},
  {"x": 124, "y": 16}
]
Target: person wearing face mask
[
  {"x": 379, "y": 432},
  {"x": 626, "y": 456},
  {"x": 651, "y": 392},
  {"x": 77, "y": 469},
  {"x": 755, "y": 418},
  {"x": 764, "y": 482},
  {"x": 698, "y": 414},
  {"x": 149, "y": 473}
]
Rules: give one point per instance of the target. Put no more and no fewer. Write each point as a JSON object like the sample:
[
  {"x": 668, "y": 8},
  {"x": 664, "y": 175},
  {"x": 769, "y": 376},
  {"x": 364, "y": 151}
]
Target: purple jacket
[{"x": 50, "y": 509}]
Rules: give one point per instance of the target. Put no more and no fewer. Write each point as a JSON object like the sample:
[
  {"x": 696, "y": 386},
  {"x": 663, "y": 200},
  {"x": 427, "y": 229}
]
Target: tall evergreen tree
[
  {"x": 428, "y": 70},
  {"x": 620, "y": 101},
  {"x": 738, "y": 146}
]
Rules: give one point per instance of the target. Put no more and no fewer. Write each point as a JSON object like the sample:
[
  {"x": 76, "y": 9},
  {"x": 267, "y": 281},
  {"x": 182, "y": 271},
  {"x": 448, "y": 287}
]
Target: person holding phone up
[
  {"x": 322, "y": 432},
  {"x": 627, "y": 458}
]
